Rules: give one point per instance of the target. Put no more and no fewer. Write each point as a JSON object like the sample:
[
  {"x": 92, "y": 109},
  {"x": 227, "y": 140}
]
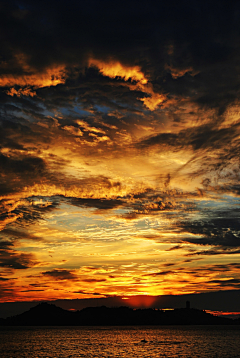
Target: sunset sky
[{"x": 119, "y": 148}]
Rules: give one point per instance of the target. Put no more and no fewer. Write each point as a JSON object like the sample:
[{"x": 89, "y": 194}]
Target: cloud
[
  {"x": 60, "y": 274},
  {"x": 93, "y": 280},
  {"x": 27, "y": 82},
  {"x": 163, "y": 273},
  {"x": 17, "y": 234},
  {"x": 206, "y": 136},
  {"x": 9, "y": 258},
  {"x": 215, "y": 251},
  {"x": 17, "y": 169},
  {"x": 21, "y": 92},
  {"x": 4, "y": 278},
  {"x": 23, "y": 213},
  {"x": 102, "y": 204},
  {"x": 230, "y": 282},
  {"x": 92, "y": 294},
  {"x": 223, "y": 232},
  {"x": 115, "y": 69},
  {"x": 176, "y": 247},
  {"x": 167, "y": 37},
  {"x": 22, "y": 165}
]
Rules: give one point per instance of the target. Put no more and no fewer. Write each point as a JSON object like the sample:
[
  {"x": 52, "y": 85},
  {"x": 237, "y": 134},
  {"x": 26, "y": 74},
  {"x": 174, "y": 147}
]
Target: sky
[{"x": 119, "y": 148}]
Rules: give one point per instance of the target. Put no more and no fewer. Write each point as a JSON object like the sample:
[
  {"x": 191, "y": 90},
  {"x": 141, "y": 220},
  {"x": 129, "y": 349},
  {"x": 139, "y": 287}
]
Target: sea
[{"x": 137, "y": 341}]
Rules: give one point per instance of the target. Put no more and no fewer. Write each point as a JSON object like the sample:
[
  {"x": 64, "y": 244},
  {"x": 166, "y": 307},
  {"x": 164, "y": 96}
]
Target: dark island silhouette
[{"x": 45, "y": 314}]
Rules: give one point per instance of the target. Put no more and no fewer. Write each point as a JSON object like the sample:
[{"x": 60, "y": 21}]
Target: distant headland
[{"x": 45, "y": 314}]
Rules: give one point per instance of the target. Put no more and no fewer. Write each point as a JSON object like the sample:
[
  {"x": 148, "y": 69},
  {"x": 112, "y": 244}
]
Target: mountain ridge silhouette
[{"x": 45, "y": 314}]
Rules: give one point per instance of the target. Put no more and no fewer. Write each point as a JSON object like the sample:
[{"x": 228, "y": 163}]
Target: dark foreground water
[{"x": 162, "y": 341}]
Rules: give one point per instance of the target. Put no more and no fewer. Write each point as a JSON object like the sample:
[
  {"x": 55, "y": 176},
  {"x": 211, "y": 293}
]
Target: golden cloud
[
  {"x": 21, "y": 92},
  {"x": 50, "y": 77},
  {"x": 154, "y": 100},
  {"x": 115, "y": 69}
]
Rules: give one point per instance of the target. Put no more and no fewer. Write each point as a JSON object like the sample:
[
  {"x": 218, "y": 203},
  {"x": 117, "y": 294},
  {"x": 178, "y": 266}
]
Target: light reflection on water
[{"x": 109, "y": 342}]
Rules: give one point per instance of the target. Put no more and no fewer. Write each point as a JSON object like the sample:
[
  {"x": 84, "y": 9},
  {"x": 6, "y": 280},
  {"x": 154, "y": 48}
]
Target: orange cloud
[
  {"x": 86, "y": 127},
  {"x": 7, "y": 207},
  {"x": 115, "y": 69},
  {"x": 51, "y": 77},
  {"x": 22, "y": 91},
  {"x": 10, "y": 219},
  {"x": 73, "y": 130},
  {"x": 154, "y": 100},
  {"x": 176, "y": 72}
]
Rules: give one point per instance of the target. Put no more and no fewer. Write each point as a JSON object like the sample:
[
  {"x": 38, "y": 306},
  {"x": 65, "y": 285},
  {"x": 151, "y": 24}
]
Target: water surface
[{"x": 109, "y": 342}]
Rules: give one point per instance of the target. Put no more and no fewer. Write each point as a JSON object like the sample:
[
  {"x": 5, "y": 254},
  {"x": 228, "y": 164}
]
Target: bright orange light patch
[
  {"x": 114, "y": 69},
  {"x": 153, "y": 101},
  {"x": 22, "y": 91},
  {"x": 51, "y": 77},
  {"x": 140, "y": 301},
  {"x": 226, "y": 314}
]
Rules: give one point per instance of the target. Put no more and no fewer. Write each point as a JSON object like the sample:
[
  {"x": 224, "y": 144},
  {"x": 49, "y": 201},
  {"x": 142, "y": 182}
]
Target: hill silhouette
[
  {"x": 45, "y": 314},
  {"x": 42, "y": 314}
]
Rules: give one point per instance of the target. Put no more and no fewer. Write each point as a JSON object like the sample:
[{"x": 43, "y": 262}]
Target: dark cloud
[
  {"x": 32, "y": 212},
  {"x": 10, "y": 258},
  {"x": 223, "y": 231},
  {"x": 164, "y": 38},
  {"x": 233, "y": 282},
  {"x": 38, "y": 285},
  {"x": 24, "y": 213},
  {"x": 91, "y": 90},
  {"x": 142, "y": 204},
  {"x": 177, "y": 247},
  {"x": 214, "y": 251},
  {"x": 102, "y": 204},
  {"x": 4, "y": 278},
  {"x": 162, "y": 273},
  {"x": 6, "y": 292},
  {"x": 18, "y": 170},
  {"x": 151, "y": 202},
  {"x": 87, "y": 293},
  {"x": 204, "y": 271},
  {"x": 60, "y": 274},
  {"x": 198, "y": 138},
  {"x": 31, "y": 290},
  {"x": 4, "y": 244},
  {"x": 92, "y": 280},
  {"x": 168, "y": 264},
  {"x": 18, "y": 234},
  {"x": 15, "y": 260},
  {"x": 224, "y": 267}
]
